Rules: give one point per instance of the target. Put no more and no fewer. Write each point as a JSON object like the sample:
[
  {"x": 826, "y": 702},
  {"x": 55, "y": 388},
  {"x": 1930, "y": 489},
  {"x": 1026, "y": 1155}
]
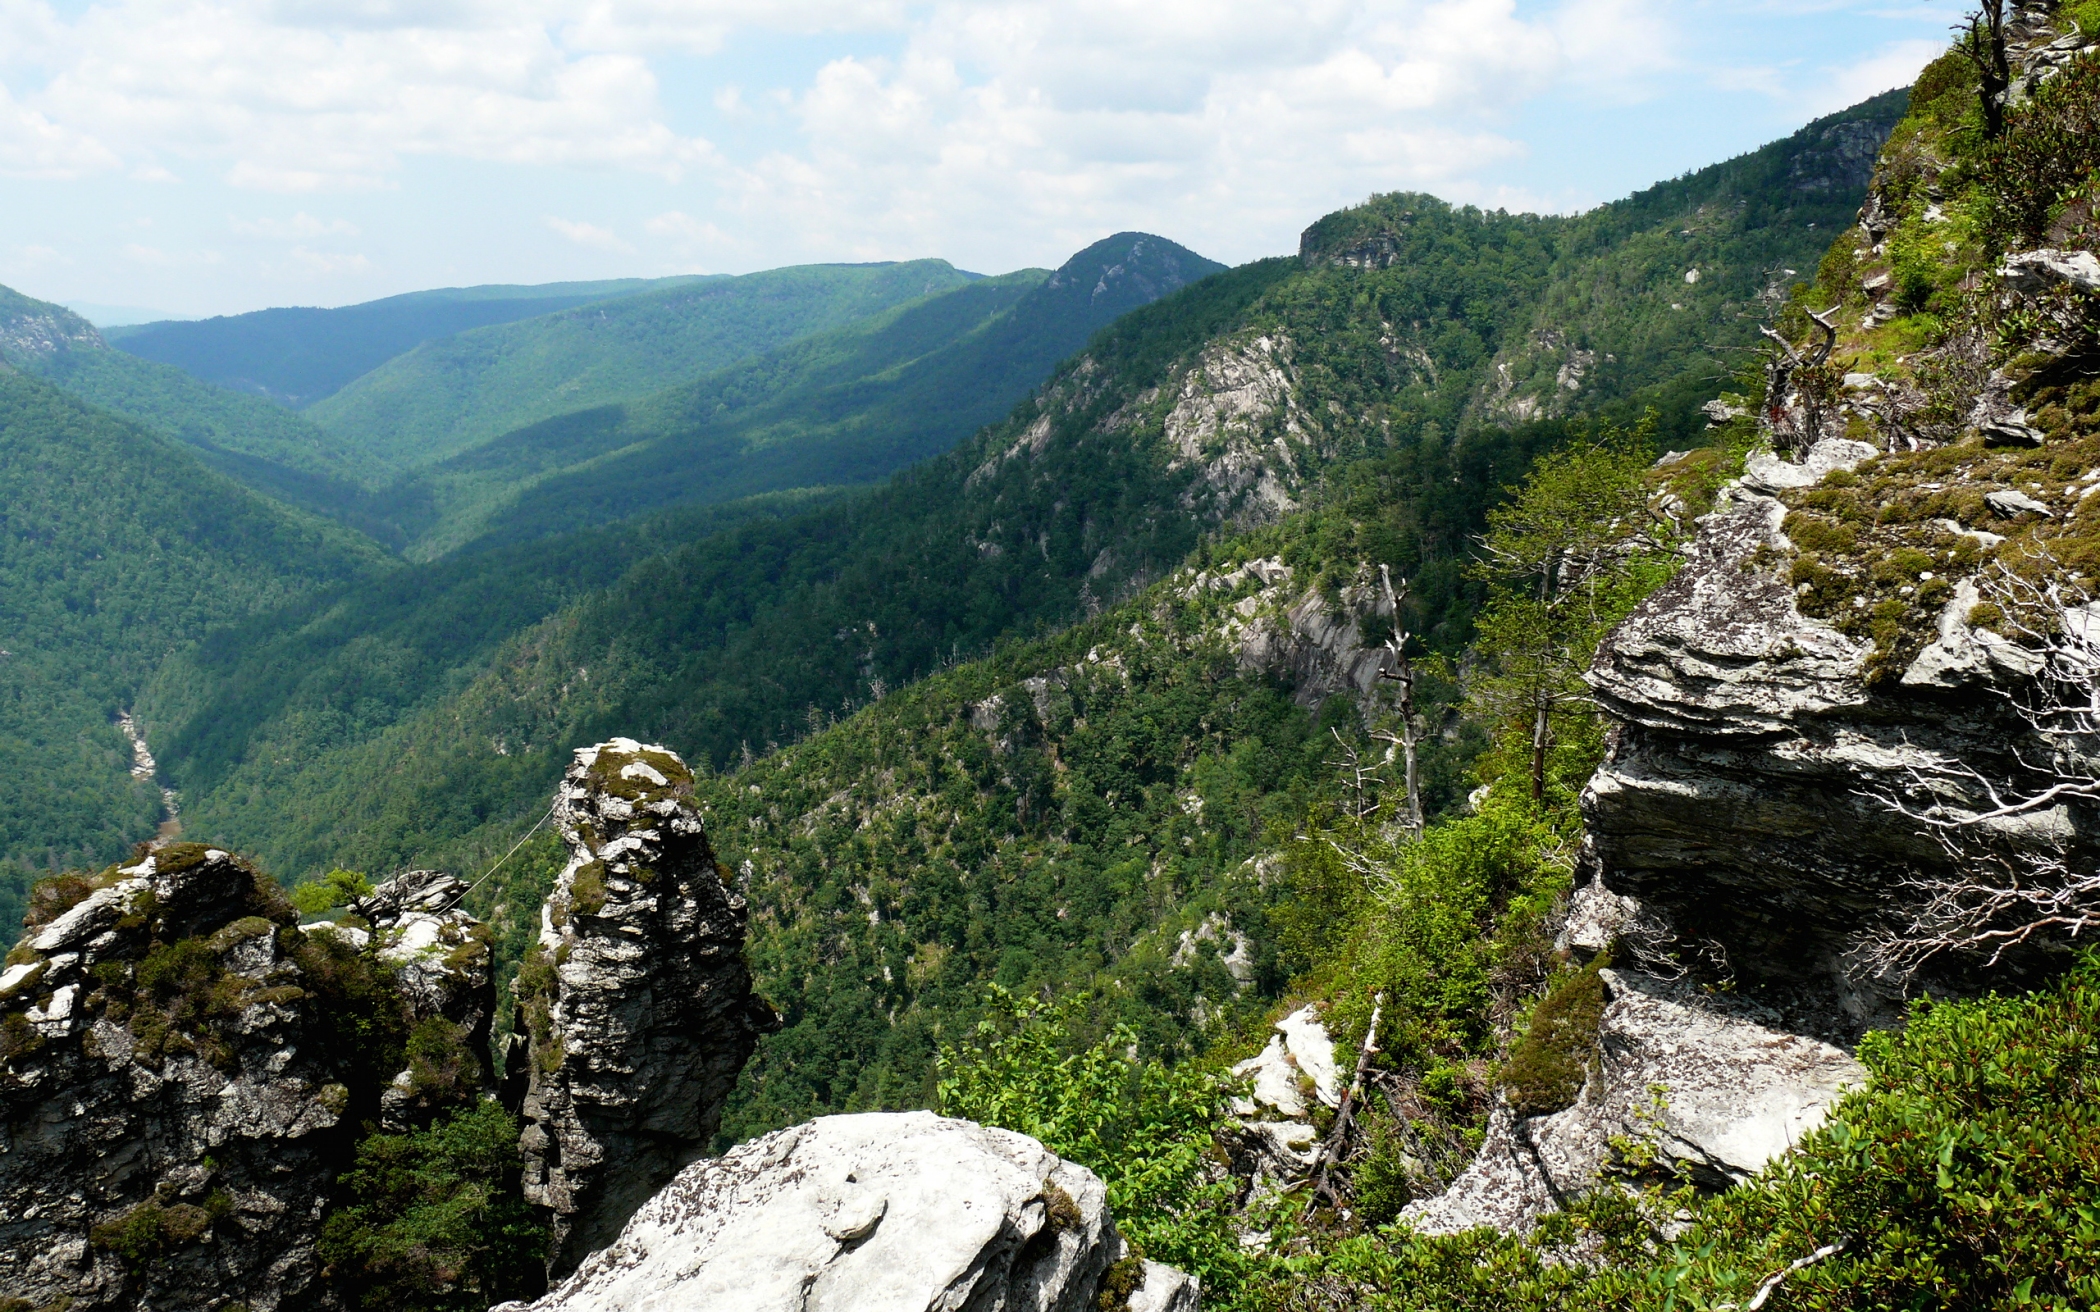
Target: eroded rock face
[
  {"x": 637, "y": 998},
  {"x": 171, "y": 1113},
  {"x": 1713, "y": 1093},
  {"x": 1739, "y": 791},
  {"x": 442, "y": 958},
  {"x": 882, "y": 1212},
  {"x": 1285, "y": 1081}
]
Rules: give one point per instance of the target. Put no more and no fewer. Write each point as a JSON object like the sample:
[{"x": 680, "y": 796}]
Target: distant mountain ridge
[
  {"x": 452, "y": 392},
  {"x": 849, "y": 407},
  {"x": 297, "y": 355}
]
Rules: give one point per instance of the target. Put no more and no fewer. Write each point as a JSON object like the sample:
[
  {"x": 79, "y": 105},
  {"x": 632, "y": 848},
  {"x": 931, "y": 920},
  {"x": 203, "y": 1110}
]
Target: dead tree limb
[
  {"x": 1344, "y": 1117},
  {"x": 1401, "y": 671},
  {"x": 2008, "y": 882}
]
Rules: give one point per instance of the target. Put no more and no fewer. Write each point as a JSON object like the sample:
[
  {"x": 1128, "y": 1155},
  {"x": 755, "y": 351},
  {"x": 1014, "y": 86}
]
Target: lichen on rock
[{"x": 636, "y": 1001}]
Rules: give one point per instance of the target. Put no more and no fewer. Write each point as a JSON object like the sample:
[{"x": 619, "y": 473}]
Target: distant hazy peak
[
  {"x": 1130, "y": 266},
  {"x": 37, "y": 330}
]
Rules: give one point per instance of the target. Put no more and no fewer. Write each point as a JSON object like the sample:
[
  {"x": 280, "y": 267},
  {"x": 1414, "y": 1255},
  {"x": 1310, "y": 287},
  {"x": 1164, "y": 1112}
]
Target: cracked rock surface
[
  {"x": 170, "y": 1111},
  {"x": 879, "y": 1212},
  {"x": 1714, "y": 1094},
  {"x": 637, "y": 998}
]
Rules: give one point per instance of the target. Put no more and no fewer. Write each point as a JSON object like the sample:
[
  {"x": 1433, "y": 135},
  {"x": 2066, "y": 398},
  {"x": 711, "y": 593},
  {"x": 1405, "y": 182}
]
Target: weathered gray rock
[
  {"x": 170, "y": 1110},
  {"x": 442, "y": 958},
  {"x": 2037, "y": 271},
  {"x": 881, "y": 1212},
  {"x": 1275, "y": 1139},
  {"x": 1708, "y": 1093},
  {"x": 1739, "y": 793},
  {"x": 637, "y": 998}
]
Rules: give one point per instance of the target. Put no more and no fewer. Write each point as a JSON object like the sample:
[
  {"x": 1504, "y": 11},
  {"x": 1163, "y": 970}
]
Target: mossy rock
[{"x": 1549, "y": 1065}]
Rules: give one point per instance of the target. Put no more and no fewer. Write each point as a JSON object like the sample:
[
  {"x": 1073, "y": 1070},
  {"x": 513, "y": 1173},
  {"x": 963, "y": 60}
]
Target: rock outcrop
[
  {"x": 442, "y": 961},
  {"x": 1697, "y": 1089},
  {"x": 171, "y": 1102},
  {"x": 896, "y": 1212},
  {"x": 637, "y": 999},
  {"x": 1739, "y": 796},
  {"x": 1285, "y": 1081}
]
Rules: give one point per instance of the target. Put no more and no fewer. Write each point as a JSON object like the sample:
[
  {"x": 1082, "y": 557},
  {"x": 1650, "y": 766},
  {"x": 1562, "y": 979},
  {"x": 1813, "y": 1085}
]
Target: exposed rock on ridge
[
  {"x": 637, "y": 998},
  {"x": 897, "y": 1212},
  {"x": 1738, "y": 791},
  {"x": 1713, "y": 1092},
  {"x": 170, "y": 1105}
]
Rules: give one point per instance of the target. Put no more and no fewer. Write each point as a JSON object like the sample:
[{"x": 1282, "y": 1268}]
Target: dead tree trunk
[{"x": 1401, "y": 671}]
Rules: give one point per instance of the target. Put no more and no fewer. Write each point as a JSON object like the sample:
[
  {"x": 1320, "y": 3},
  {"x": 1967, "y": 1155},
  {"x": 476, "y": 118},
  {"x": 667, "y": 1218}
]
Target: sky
[{"x": 198, "y": 157}]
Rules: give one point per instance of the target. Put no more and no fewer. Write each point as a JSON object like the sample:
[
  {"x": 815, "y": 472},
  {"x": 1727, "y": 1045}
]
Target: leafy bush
[
  {"x": 1145, "y": 1128},
  {"x": 2048, "y": 155},
  {"x": 434, "y": 1221},
  {"x": 335, "y": 889},
  {"x": 1966, "y": 1175}
]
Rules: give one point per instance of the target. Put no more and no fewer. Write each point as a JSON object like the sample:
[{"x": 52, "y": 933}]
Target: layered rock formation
[
  {"x": 441, "y": 959},
  {"x": 1683, "y": 1084},
  {"x": 637, "y": 999},
  {"x": 171, "y": 1101},
  {"x": 901, "y": 1212}
]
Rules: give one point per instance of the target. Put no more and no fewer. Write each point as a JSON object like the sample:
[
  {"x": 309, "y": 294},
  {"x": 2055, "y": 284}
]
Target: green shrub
[
  {"x": 434, "y": 1221},
  {"x": 335, "y": 889},
  {"x": 1549, "y": 1065},
  {"x": 1145, "y": 1128}
]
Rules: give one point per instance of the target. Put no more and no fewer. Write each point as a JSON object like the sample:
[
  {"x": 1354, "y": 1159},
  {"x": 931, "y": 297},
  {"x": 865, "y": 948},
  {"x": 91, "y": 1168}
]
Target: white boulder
[{"x": 879, "y": 1212}]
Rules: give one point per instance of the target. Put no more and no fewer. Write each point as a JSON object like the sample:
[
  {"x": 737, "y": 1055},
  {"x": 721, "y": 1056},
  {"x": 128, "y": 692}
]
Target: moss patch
[
  {"x": 1060, "y": 1210},
  {"x": 153, "y": 1228},
  {"x": 1549, "y": 1065},
  {"x": 1879, "y": 552},
  {"x": 1122, "y": 1279}
]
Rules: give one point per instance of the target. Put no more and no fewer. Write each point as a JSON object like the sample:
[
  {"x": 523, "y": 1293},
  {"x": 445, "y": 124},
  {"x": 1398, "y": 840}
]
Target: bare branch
[{"x": 2011, "y": 883}]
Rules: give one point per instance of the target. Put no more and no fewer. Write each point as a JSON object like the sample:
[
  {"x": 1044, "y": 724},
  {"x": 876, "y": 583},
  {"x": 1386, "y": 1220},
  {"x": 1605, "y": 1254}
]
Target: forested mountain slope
[
  {"x": 458, "y": 390},
  {"x": 297, "y": 355},
  {"x": 845, "y": 407},
  {"x": 252, "y": 440},
  {"x": 1227, "y": 405},
  {"x": 117, "y": 547}
]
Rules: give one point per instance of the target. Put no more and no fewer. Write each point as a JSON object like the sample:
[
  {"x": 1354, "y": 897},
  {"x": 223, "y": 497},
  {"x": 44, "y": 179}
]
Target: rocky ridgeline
[{"x": 185, "y": 1072}]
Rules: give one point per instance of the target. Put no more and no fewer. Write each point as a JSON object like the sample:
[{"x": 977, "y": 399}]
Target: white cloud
[
  {"x": 34, "y": 146},
  {"x": 300, "y": 227},
  {"x": 329, "y": 262},
  {"x": 1888, "y": 68},
  {"x": 314, "y": 95},
  {"x": 154, "y": 257},
  {"x": 590, "y": 234}
]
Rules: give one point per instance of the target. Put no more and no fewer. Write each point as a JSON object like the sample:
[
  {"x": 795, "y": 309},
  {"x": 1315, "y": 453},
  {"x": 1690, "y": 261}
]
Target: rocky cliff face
[
  {"x": 37, "y": 330},
  {"x": 637, "y": 1000},
  {"x": 173, "y": 1094},
  {"x": 902, "y": 1211}
]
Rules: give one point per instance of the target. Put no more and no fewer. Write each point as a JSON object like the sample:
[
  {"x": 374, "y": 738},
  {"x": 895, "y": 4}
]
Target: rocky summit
[{"x": 173, "y": 1106}]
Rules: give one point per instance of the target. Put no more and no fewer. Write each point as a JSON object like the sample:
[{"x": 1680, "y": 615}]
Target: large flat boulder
[
  {"x": 1704, "y": 1090},
  {"x": 880, "y": 1212}
]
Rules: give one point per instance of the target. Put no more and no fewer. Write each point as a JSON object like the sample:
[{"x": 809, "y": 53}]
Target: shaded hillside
[
  {"x": 454, "y": 392},
  {"x": 117, "y": 547},
  {"x": 251, "y": 440},
  {"x": 849, "y": 406},
  {"x": 297, "y": 355},
  {"x": 1227, "y": 405}
]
